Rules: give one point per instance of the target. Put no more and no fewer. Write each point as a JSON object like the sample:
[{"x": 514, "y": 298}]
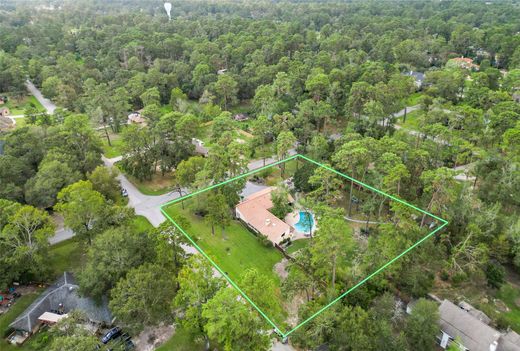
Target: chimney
[{"x": 493, "y": 346}]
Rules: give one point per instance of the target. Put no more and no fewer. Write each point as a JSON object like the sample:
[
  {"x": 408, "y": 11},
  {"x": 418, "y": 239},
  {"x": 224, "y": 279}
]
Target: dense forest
[{"x": 336, "y": 81}]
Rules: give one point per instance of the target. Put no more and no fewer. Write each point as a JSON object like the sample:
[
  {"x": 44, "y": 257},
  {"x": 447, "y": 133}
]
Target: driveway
[{"x": 46, "y": 103}]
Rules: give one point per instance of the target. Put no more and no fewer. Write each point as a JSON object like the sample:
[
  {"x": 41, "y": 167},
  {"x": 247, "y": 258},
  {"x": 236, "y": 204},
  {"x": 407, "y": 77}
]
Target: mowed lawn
[{"x": 235, "y": 251}]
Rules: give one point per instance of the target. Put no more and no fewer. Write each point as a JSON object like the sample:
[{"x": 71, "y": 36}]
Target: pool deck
[{"x": 293, "y": 218}]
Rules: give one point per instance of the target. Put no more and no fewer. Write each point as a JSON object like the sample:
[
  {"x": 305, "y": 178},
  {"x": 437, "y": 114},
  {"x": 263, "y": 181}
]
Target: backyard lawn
[
  {"x": 5, "y": 319},
  {"x": 239, "y": 251},
  {"x": 297, "y": 245},
  {"x": 511, "y": 297}
]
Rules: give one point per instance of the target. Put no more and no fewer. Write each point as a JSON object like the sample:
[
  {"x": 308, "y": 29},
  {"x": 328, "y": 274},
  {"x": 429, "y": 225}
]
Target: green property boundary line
[{"x": 363, "y": 281}]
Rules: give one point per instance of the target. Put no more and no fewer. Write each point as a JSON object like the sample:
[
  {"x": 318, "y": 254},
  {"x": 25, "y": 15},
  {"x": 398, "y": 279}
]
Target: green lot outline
[{"x": 379, "y": 270}]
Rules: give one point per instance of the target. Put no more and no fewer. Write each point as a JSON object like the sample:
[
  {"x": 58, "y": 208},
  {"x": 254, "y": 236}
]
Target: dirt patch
[
  {"x": 280, "y": 268},
  {"x": 292, "y": 308},
  {"x": 152, "y": 337}
]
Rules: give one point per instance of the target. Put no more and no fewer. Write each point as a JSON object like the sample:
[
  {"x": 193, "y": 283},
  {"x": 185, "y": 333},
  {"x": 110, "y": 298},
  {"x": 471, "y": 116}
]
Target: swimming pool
[{"x": 306, "y": 222}]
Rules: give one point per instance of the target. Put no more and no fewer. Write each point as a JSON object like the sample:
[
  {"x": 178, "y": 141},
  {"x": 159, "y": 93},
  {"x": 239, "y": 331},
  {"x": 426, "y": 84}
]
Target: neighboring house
[
  {"x": 254, "y": 212},
  {"x": 222, "y": 71},
  {"x": 2, "y": 143},
  {"x": 469, "y": 325},
  {"x": 4, "y": 112},
  {"x": 417, "y": 76},
  {"x": 58, "y": 299},
  {"x": 240, "y": 117},
  {"x": 483, "y": 53},
  {"x": 136, "y": 118},
  {"x": 199, "y": 147},
  {"x": 516, "y": 97},
  {"x": 3, "y": 100},
  {"x": 463, "y": 62},
  {"x": 6, "y": 123}
]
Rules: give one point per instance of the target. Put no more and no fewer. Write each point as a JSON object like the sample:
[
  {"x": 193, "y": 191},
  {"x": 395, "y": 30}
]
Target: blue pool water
[{"x": 305, "y": 223}]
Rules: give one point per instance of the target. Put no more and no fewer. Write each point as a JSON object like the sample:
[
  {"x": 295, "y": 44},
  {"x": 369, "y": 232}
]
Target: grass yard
[
  {"x": 114, "y": 150},
  {"x": 17, "y": 106},
  {"x": 141, "y": 224},
  {"x": 181, "y": 341},
  {"x": 5, "y": 319},
  {"x": 239, "y": 251},
  {"x": 297, "y": 245},
  {"x": 414, "y": 99},
  {"x": 412, "y": 120},
  {"x": 511, "y": 297},
  {"x": 69, "y": 255},
  {"x": 235, "y": 251},
  {"x": 158, "y": 185}
]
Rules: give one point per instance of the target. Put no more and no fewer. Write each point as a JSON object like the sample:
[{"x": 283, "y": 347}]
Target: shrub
[{"x": 495, "y": 275}]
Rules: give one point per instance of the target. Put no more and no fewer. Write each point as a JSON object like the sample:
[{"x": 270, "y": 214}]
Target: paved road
[{"x": 46, "y": 103}]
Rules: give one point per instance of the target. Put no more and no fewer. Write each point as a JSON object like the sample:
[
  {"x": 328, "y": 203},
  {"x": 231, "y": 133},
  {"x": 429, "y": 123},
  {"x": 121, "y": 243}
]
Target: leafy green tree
[
  {"x": 221, "y": 124},
  {"x": 52, "y": 176},
  {"x": 219, "y": 213},
  {"x": 263, "y": 291},
  {"x": 111, "y": 256},
  {"x": 317, "y": 84},
  {"x": 77, "y": 139},
  {"x": 151, "y": 96},
  {"x": 440, "y": 187},
  {"x": 104, "y": 180},
  {"x": 422, "y": 325},
  {"x": 197, "y": 285},
  {"x": 284, "y": 143},
  {"x": 352, "y": 158},
  {"x": 13, "y": 175},
  {"x": 138, "y": 152},
  {"x": 280, "y": 199},
  {"x": 74, "y": 343},
  {"x": 139, "y": 299},
  {"x": 178, "y": 99},
  {"x": 326, "y": 185},
  {"x": 231, "y": 322},
  {"x": 263, "y": 129},
  {"x": 24, "y": 240},
  {"x": 83, "y": 209},
  {"x": 332, "y": 248},
  {"x": 186, "y": 172},
  {"x": 226, "y": 89}
]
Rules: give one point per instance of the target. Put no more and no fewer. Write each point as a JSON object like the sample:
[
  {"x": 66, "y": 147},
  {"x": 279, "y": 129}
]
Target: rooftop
[
  {"x": 64, "y": 291},
  {"x": 475, "y": 334},
  {"x": 255, "y": 211}
]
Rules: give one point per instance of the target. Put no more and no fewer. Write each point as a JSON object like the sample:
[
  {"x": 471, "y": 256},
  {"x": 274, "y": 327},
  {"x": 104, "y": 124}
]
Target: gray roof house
[
  {"x": 65, "y": 292},
  {"x": 475, "y": 335},
  {"x": 417, "y": 76}
]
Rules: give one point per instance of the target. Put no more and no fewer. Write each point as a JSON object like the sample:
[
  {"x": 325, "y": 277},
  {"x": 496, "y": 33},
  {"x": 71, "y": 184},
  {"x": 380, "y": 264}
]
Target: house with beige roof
[{"x": 254, "y": 212}]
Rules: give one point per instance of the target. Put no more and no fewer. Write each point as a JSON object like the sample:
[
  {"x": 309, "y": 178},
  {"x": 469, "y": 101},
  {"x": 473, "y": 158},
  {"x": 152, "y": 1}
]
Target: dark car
[
  {"x": 129, "y": 345},
  {"x": 111, "y": 334}
]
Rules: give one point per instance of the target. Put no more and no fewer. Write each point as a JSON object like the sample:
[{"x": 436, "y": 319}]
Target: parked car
[
  {"x": 129, "y": 345},
  {"x": 111, "y": 334}
]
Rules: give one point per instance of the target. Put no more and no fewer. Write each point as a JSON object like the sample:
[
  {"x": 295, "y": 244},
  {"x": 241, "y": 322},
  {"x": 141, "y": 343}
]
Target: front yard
[
  {"x": 235, "y": 251},
  {"x": 17, "y": 105}
]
